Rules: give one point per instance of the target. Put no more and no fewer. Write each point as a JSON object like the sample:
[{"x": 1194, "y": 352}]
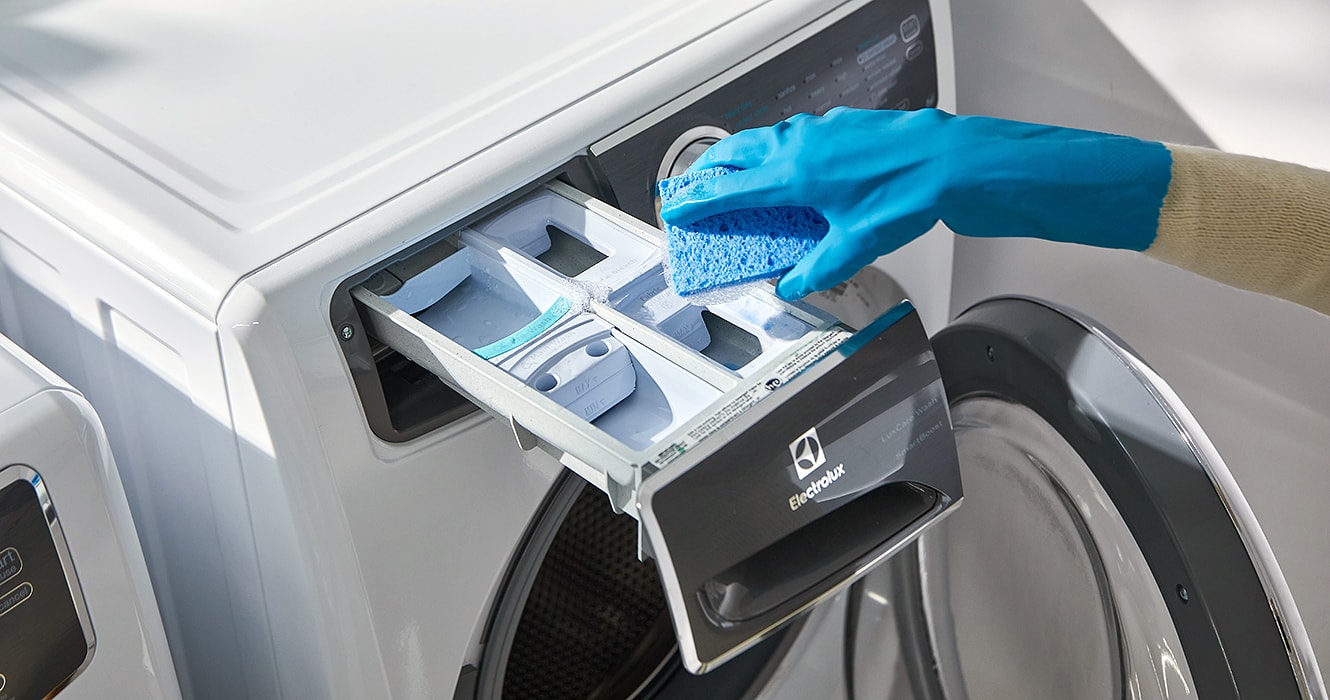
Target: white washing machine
[
  {"x": 190, "y": 199},
  {"x": 234, "y": 236},
  {"x": 77, "y": 614}
]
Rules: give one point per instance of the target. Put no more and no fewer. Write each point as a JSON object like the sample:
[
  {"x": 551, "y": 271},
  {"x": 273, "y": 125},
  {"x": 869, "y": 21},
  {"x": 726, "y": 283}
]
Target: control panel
[
  {"x": 879, "y": 57},
  {"x": 45, "y": 637}
]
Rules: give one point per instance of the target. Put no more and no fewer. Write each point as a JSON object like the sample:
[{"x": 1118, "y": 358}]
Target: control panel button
[
  {"x": 913, "y": 51},
  {"x": 15, "y": 598},
  {"x": 688, "y": 147},
  {"x": 910, "y": 28},
  {"x": 10, "y": 564}
]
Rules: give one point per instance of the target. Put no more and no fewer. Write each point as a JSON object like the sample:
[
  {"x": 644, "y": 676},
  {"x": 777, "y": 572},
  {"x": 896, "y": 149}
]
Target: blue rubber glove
[{"x": 883, "y": 178}]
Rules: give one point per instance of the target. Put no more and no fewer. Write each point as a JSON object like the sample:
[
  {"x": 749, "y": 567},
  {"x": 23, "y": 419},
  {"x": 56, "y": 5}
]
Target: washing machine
[
  {"x": 215, "y": 220},
  {"x": 77, "y": 614},
  {"x": 370, "y": 302}
]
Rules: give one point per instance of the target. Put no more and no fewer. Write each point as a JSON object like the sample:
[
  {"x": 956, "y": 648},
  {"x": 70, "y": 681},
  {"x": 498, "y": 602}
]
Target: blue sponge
[{"x": 737, "y": 246}]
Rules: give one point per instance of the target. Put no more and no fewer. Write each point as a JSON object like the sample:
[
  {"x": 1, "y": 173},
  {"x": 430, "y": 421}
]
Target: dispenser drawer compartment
[
  {"x": 743, "y": 434},
  {"x": 554, "y": 314}
]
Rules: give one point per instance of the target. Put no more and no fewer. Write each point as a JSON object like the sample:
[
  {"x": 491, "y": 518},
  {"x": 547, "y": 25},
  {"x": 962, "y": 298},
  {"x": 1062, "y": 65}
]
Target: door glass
[
  {"x": 1099, "y": 528},
  {"x": 1035, "y": 588}
]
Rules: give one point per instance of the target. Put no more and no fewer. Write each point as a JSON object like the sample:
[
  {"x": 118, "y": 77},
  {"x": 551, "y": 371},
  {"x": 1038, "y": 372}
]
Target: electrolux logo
[
  {"x": 808, "y": 457},
  {"x": 807, "y": 454},
  {"x": 817, "y": 486}
]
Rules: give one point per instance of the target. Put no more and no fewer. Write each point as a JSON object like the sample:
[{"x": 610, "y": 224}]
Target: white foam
[
  {"x": 595, "y": 290},
  {"x": 723, "y": 295}
]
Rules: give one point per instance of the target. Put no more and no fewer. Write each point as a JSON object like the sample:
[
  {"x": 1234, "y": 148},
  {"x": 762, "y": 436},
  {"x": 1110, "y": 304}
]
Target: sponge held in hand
[{"x": 735, "y": 246}]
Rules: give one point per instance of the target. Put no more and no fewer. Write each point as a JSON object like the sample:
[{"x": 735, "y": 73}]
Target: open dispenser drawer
[{"x": 770, "y": 454}]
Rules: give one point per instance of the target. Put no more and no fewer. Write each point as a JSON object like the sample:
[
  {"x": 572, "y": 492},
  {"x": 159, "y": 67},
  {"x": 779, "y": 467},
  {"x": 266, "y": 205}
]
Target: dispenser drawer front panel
[{"x": 788, "y": 505}]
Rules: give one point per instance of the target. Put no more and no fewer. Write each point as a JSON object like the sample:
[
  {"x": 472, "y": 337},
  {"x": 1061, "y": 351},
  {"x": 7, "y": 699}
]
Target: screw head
[
  {"x": 992, "y": 356},
  {"x": 348, "y": 331},
  {"x": 1183, "y": 595}
]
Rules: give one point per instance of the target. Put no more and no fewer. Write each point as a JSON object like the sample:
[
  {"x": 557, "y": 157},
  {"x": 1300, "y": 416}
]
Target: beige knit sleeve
[{"x": 1250, "y": 223}]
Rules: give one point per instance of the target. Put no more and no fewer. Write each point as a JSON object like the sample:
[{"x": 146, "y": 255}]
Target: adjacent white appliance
[
  {"x": 218, "y": 228},
  {"x": 77, "y": 614}
]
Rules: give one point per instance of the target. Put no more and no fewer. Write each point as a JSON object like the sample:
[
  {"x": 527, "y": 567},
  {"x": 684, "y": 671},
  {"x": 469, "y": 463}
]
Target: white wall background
[{"x": 1244, "y": 76}]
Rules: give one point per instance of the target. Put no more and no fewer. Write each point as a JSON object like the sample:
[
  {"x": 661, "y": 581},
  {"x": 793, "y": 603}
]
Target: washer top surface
[{"x": 194, "y": 136}]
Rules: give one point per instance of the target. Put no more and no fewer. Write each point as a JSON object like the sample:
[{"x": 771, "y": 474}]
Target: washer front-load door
[{"x": 1103, "y": 550}]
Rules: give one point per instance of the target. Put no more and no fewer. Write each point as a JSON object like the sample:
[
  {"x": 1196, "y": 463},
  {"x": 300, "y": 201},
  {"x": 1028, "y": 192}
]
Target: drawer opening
[
  {"x": 566, "y": 254},
  {"x": 415, "y": 398},
  {"x": 730, "y": 345}
]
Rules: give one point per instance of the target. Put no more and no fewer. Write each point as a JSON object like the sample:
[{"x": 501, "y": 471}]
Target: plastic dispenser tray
[{"x": 771, "y": 455}]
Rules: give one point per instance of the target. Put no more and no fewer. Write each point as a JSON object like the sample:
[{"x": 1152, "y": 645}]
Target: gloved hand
[{"x": 883, "y": 178}]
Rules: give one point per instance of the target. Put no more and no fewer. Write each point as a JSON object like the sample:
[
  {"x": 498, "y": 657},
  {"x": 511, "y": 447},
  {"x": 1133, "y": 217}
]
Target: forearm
[{"x": 1250, "y": 223}]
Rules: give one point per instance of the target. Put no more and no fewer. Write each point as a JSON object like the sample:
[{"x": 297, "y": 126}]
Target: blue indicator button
[
  {"x": 738, "y": 110},
  {"x": 877, "y": 49}
]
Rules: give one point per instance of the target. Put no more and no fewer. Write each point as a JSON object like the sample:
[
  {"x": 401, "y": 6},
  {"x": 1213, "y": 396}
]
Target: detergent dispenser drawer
[
  {"x": 770, "y": 453},
  {"x": 554, "y": 314}
]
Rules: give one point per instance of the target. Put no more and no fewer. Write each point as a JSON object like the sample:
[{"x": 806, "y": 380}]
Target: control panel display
[
  {"x": 879, "y": 57},
  {"x": 42, "y": 639}
]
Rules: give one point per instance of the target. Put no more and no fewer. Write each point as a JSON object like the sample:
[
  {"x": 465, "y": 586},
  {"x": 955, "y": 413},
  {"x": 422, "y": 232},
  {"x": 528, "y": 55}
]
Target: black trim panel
[{"x": 1024, "y": 351}]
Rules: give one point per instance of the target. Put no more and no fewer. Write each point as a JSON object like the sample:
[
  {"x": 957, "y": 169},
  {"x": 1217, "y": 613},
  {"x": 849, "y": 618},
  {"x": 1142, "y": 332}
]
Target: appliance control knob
[{"x": 685, "y": 149}]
